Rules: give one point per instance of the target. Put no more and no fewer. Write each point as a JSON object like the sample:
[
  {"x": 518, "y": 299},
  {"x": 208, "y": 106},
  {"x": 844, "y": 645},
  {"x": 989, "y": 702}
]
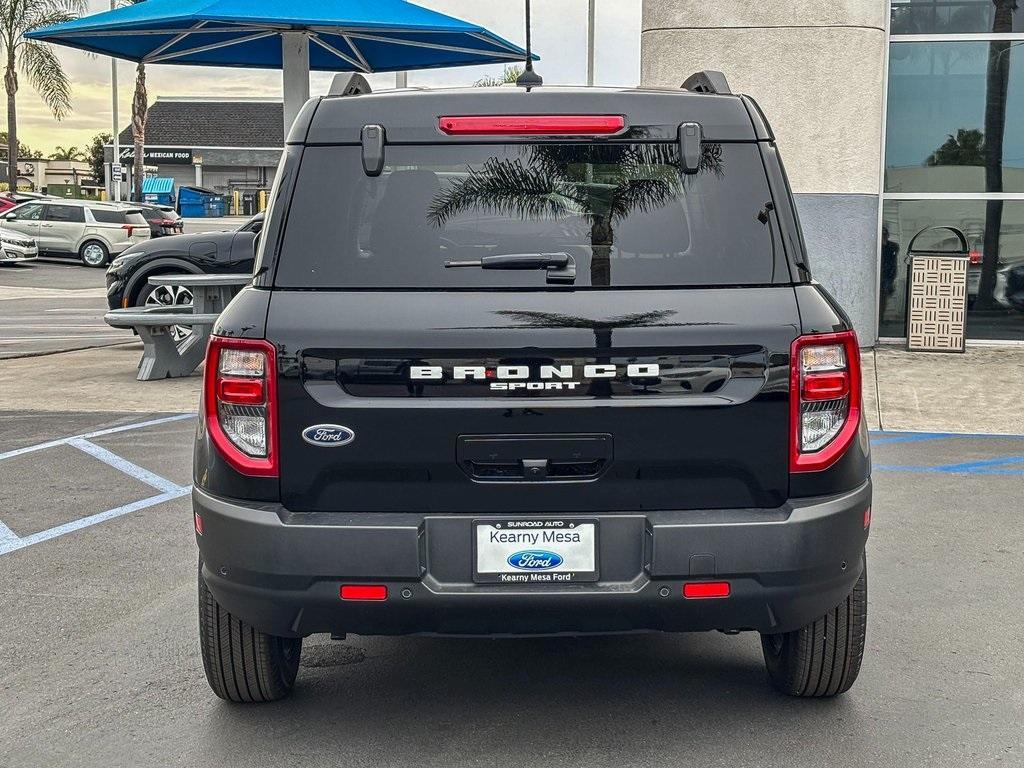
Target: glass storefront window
[
  {"x": 946, "y": 17},
  {"x": 941, "y": 115},
  {"x": 995, "y": 284}
]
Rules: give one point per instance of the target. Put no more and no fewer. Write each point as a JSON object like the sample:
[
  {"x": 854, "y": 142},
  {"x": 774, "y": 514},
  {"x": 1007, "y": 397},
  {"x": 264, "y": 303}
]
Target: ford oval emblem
[
  {"x": 534, "y": 560},
  {"x": 328, "y": 435}
]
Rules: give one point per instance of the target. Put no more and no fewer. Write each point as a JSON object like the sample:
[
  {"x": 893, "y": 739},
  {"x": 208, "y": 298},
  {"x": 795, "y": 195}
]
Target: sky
[{"x": 559, "y": 37}]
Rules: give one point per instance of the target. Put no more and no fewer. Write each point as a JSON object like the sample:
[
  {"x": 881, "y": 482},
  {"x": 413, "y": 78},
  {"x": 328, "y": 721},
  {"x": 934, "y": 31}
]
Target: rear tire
[
  {"x": 823, "y": 658},
  {"x": 94, "y": 254},
  {"x": 243, "y": 664}
]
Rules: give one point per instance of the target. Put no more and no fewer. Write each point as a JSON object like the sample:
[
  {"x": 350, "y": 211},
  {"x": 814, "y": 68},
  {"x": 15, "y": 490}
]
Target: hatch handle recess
[
  {"x": 534, "y": 458},
  {"x": 372, "y": 138}
]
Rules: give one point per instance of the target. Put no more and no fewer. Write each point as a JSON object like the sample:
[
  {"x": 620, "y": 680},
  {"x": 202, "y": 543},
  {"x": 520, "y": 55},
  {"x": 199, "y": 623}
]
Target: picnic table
[{"x": 163, "y": 356}]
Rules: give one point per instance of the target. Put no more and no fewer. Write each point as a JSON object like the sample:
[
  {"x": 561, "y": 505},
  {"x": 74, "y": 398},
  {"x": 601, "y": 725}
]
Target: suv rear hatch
[{"x": 656, "y": 379}]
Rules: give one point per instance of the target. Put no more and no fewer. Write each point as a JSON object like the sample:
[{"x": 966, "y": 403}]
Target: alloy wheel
[
  {"x": 172, "y": 296},
  {"x": 94, "y": 255}
]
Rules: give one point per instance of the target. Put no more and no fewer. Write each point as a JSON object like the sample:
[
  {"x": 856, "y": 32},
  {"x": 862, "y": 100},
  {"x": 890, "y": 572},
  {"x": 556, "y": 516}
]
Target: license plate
[{"x": 534, "y": 551}]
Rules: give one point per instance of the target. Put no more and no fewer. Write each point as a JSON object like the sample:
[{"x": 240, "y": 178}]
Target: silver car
[
  {"x": 91, "y": 231},
  {"x": 16, "y": 247}
]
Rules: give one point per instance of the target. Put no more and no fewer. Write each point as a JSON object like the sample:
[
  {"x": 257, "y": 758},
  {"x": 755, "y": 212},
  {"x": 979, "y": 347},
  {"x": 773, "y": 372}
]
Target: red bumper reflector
[
  {"x": 199, "y": 523},
  {"x": 364, "y": 592},
  {"x": 867, "y": 518},
  {"x": 531, "y": 125},
  {"x": 696, "y": 590}
]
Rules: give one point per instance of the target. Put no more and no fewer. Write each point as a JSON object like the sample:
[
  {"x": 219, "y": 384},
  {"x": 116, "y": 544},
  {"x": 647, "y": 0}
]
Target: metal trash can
[{"x": 937, "y": 291}]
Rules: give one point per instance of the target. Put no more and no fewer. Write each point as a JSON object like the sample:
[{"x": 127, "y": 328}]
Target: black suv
[{"x": 532, "y": 361}]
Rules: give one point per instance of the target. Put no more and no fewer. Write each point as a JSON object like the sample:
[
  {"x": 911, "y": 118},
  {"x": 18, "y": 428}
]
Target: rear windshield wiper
[{"x": 560, "y": 267}]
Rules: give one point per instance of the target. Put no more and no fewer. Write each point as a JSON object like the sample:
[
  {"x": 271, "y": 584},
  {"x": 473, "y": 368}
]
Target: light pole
[
  {"x": 590, "y": 41},
  {"x": 115, "y": 185}
]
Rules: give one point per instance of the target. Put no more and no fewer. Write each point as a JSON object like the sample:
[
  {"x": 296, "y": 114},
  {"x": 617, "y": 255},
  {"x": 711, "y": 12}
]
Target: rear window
[
  {"x": 107, "y": 216},
  {"x": 624, "y": 212},
  {"x": 136, "y": 218}
]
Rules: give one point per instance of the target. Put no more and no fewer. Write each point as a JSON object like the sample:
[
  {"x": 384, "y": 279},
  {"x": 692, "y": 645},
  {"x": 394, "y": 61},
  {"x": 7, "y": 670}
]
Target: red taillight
[
  {"x": 128, "y": 228},
  {"x": 363, "y": 592},
  {"x": 167, "y": 222},
  {"x": 697, "y": 590},
  {"x": 975, "y": 257},
  {"x": 531, "y": 125},
  {"x": 825, "y": 399},
  {"x": 240, "y": 403}
]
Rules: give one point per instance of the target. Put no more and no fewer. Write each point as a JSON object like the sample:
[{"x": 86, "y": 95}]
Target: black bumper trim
[{"x": 280, "y": 571}]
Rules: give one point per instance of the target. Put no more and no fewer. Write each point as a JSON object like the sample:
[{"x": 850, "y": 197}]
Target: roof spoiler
[
  {"x": 706, "y": 81},
  {"x": 349, "y": 84}
]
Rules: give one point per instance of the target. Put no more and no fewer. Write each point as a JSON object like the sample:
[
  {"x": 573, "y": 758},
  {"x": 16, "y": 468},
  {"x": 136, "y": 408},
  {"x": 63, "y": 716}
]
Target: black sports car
[{"x": 212, "y": 253}]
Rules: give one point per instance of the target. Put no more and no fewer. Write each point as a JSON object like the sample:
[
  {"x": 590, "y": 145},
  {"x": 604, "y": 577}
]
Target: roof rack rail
[
  {"x": 349, "y": 84},
  {"x": 706, "y": 81}
]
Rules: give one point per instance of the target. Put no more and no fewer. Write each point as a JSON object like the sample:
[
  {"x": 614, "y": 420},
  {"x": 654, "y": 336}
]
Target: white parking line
[
  {"x": 10, "y": 541},
  {"x": 132, "y": 470},
  {"x": 20, "y": 542},
  {"x": 96, "y": 433},
  {"x": 7, "y": 537}
]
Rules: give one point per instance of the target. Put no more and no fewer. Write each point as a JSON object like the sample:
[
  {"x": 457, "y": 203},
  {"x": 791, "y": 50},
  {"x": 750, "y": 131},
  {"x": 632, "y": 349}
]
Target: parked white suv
[{"x": 90, "y": 231}]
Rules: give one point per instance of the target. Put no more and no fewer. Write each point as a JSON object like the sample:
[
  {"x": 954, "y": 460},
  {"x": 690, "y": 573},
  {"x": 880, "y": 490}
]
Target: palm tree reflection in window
[{"x": 604, "y": 183}]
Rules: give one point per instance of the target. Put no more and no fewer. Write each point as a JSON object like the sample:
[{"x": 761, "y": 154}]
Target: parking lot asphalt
[
  {"x": 53, "y": 306},
  {"x": 99, "y": 662},
  {"x": 56, "y": 305}
]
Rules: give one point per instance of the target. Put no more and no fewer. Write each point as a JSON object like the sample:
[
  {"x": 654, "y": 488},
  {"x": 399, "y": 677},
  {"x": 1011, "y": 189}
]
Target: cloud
[{"x": 559, "y": 37}]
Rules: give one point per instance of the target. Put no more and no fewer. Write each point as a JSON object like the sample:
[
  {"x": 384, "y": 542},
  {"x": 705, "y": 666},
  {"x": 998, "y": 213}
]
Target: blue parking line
[
  {"x": 889, "y": 438},
  {"x": 997, "y": 467},
  {"x": 97, "y": 433},
  {"x": 20, "y": 542},
  {"x": 972, "y": 466}
]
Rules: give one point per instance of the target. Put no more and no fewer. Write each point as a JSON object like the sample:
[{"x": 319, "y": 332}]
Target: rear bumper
[{"x": 281, "y": 571}]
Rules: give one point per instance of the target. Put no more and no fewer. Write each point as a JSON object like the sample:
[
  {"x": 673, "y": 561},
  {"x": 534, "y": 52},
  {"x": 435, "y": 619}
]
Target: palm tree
[
  {"x": 140, "y": 111},
  {"x": 510, "y": 74},
  {"x": 965, "y": 147},
  {"x": 67, "y": 153},
  {"x": 35, "y": 60},
  {"x": 996, "y": 89},
  {"x": 554, "y": 181}
]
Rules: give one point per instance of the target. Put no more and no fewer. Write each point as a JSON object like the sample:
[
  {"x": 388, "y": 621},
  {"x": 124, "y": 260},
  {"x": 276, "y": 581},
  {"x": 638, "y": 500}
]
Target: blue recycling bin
[
  {"x": 159, "y": 191},
  {"x": 199, "y": 203}
]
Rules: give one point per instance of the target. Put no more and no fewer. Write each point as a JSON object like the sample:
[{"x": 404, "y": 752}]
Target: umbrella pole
[{"x": 295, "y": 79}]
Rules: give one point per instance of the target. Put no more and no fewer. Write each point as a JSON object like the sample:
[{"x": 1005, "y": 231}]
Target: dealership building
[{"x": 892, "y": 117}]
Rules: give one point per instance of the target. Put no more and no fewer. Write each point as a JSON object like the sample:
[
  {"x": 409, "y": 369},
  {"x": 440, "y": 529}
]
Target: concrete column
[
  {"x": 295, "y": 60},
  {"x": 199, "y": 174},
  {"x": 817, "y": 70}
]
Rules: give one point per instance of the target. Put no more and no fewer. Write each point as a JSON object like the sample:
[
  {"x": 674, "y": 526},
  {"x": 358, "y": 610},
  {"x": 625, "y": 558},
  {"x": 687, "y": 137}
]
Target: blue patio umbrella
[{"x": 326, "y": 35}]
